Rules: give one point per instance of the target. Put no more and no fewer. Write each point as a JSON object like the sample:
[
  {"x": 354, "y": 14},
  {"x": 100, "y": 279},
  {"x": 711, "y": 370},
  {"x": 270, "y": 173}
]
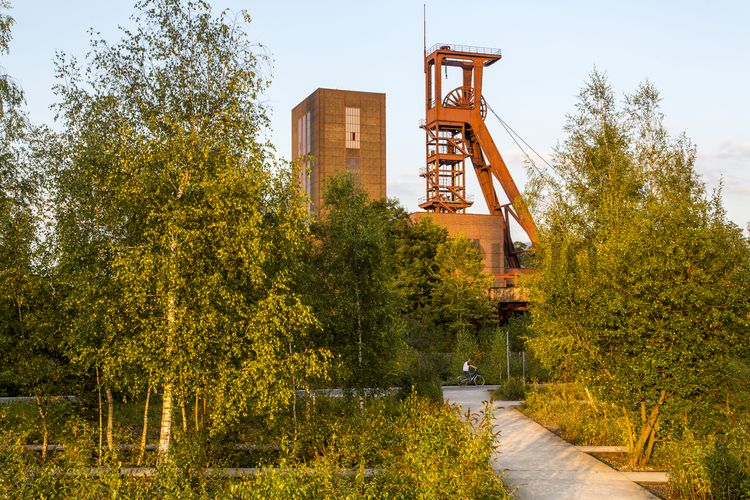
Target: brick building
[
  {"x": 340, "y": 130},
  {"x": 485, "y": 230}
]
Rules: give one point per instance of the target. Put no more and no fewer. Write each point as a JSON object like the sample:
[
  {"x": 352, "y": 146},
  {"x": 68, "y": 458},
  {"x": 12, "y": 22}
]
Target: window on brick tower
[
  {"x": 352, "y": 128},
  {"x": 304, "y": 148}
]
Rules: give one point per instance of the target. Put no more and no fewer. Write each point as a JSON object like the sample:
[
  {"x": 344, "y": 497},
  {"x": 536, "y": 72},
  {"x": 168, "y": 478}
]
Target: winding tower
[{"x": 455, "y": 131}]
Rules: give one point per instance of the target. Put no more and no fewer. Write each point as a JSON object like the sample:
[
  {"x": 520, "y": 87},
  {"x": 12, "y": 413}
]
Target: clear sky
[{"x": 696, "y": 53}]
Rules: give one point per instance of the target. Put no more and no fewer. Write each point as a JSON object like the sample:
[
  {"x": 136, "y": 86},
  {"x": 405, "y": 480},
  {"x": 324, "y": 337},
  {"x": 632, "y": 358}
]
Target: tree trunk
[
  {"x": 195, "y": 410},
  {"x": 650, "y": 446},
  {"x": 204, "y": 411},
  {"x": 359, "y": 351},
  {"x": 144, "y": 434},
  {"x": 308, "y": 403},
  {"x": 110, "y": 418},
  {"x": 165, "y": 433},
  {"x": 183, "y": 413},
  {"x": 101, "y": 422},
  {"x": 294, "y": 397},
  {"x": 205, "y": 402},
  {"x": 43, "y": 407},
  {"x": 359, "y": 334},
  {"x": 631, "y": 431},
  {"x": 591, "y": 399},
  {"x": 639, "y": 454}
]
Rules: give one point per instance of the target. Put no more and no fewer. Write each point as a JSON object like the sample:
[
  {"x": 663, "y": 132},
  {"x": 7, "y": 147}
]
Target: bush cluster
[
  {"x": 514, "y": 389},
  {"x": 711, "y": 468},
  {"x": 576, "y": 417},
  {"x": 410, "y": 448}
]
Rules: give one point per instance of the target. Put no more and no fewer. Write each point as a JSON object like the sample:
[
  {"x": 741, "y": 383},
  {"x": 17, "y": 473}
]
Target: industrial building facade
[
  {"x": 486, "y": 231},
  {"x": 455, "y": 131},
  {"x": 337, "y": 131}
]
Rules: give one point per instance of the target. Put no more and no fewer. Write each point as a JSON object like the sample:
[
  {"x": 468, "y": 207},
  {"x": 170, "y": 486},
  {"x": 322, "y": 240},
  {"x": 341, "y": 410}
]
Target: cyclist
[{"x": 467, "y": 370}]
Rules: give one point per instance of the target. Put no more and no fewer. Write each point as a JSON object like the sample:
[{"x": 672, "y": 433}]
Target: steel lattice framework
[{"x": 455, "y": 130}]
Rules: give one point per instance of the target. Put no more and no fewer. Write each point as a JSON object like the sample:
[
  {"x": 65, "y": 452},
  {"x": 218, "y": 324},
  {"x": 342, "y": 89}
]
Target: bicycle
[{"x": 474, "y": 379}]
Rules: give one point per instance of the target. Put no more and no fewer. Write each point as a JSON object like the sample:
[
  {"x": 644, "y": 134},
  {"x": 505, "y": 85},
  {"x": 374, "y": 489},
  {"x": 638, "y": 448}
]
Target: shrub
[
  {"x": 513, "y": 389},
  {"x": 710, "y": 468},
  {"x": 423, "y": 376},
  {"x": 466, "y": 347},
  {"x": 568, "y": 410},
  {"x": 494, "y": 361},
  {"x": 402, "y": 449},
  {"x": 429, "y": 389}
]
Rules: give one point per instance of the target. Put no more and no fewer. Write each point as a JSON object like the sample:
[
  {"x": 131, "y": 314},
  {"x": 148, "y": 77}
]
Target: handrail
[
  {"x": 465, "y": 48},
  {"x": 442, "y": 199}
]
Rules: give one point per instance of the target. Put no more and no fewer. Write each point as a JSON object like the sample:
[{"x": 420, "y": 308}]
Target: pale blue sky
[{"x": 696, "y": 53}]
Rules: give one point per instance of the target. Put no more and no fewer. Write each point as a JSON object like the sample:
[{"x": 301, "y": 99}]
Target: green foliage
[
  {"x": 422, "y": 373},
  {"x": 466, "y": 347},
  {"x": 460, "y": 294},
  {"x": 416, "y": 248},
  {"x": 419, "y": 450},
  {"x": 643, "y": 285},
  {"x": 710, "y": 468},
  {"x": 31, "y": 357},
  {"x": 12, "y": 120},
  {"x": 21, "y": 419},
  {"x": 6, "y": 22},
  {"x": 575, "y": 415},
  {"x": 172, "y": 202},
  {"x": 493, "y": 358},
  {"x": 349, "y": 283},
  {"x": 715, "y": 461},
  {"x": 177, "y": 262},
  {"x": 513, "y": 389},
  {"x": 405, "y": 449}
]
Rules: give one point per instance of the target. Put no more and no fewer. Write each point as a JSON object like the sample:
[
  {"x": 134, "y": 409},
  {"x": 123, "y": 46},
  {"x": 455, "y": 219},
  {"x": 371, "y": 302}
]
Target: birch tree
[
  {"x": 350, "y": 284},
  {"x": 30, "y": 354},
  {"x": 202, "y": 227},
  {"x": 642, "y": 289},
  {"x": 460, "y": 294}
]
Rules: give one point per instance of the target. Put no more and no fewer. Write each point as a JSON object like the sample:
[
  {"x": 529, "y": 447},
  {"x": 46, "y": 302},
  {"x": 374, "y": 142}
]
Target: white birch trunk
[
  {"x": 165, "y": 433},
  {"x": 110, "y": 419},
  {"x": 43, "y": 407}
]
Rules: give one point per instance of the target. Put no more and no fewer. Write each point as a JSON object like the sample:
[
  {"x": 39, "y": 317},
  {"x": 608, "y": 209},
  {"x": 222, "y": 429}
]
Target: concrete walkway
[{"x": 538, "y": 465}]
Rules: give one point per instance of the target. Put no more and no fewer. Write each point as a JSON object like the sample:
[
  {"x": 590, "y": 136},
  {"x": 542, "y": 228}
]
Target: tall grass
[
  {"x": 711, "y": 468},
  {"x": 413, "y": 448},
  {"x": 569, "y": 411}
]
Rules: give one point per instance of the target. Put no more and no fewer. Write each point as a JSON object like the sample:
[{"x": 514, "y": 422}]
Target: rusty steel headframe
[{"x": 455, "y": 130}]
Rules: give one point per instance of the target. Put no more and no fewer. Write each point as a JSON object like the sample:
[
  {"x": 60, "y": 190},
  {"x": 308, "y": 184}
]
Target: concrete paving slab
[
  {"x": 602, "y": 449},
  {"x": 536, "y": 464},
  {"x": 648, "y": 476}
]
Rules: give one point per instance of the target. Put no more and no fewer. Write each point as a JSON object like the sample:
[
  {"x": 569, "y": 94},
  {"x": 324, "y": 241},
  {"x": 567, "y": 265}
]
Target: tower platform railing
[{"x": 465, "y": 48}]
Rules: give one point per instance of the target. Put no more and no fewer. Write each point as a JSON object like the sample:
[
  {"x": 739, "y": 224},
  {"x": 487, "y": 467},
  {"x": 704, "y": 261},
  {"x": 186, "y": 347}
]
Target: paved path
[{"x": 538, "y": 465}]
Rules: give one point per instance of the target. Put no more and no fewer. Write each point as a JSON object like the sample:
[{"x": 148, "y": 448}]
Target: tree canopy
[
  {"x": 171, "y": 205},
  {"x": 350, "y": 283},
  {"x": 643, "y": 286}
]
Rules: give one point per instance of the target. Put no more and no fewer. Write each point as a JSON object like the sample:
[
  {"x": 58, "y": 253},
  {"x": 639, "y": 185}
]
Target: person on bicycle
[{"x": 467, "y": 369}]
